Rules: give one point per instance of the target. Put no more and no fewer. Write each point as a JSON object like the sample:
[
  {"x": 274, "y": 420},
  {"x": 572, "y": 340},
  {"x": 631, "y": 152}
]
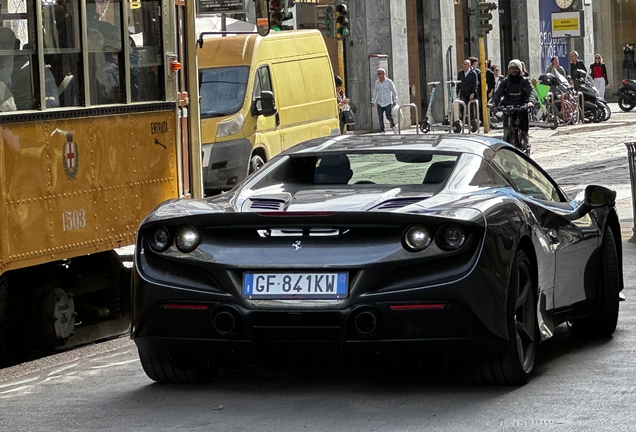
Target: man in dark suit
[{"x": 467, "y": 86}]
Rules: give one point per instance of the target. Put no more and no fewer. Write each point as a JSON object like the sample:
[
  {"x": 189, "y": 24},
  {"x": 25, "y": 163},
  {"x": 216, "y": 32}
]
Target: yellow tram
[{"x": 94, "y": 134}]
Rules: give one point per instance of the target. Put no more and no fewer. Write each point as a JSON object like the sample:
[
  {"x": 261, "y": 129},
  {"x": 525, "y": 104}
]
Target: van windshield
[{"x": 222, "y": 90}]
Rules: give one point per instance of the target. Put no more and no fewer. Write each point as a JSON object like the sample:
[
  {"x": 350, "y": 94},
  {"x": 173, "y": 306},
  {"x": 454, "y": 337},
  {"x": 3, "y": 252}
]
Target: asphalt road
[{"x": 578, "y": 384}]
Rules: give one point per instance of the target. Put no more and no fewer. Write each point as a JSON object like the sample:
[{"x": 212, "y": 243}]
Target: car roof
[{"x": 479, "y": 145}]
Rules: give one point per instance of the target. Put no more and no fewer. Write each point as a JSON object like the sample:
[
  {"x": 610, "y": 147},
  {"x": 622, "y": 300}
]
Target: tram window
[
  {"x": 62, "y": 55},
  {"x": 16, "y": 58},
  {"x": 105, "y": 53},
  {"x": 146, "y": 59}
]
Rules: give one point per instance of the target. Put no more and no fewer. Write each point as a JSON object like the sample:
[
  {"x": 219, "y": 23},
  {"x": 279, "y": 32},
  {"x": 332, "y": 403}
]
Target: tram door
[{"x": 182, "y": 98}]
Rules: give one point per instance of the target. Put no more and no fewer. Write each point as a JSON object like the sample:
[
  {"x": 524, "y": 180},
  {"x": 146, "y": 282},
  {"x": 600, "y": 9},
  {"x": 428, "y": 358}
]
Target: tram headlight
[
  {"x": 159, "y": 240},
  {"x": 187, "y": 238},
  {"x": 231, "y": 126}
]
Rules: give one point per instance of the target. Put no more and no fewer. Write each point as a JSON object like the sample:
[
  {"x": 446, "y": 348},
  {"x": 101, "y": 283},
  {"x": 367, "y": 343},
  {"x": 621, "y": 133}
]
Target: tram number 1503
[{"x": 73, "y": 220}]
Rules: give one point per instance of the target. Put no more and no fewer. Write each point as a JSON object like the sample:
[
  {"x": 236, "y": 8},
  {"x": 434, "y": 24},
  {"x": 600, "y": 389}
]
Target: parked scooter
[
  {"x": 627, "y": 95},
  {"x": 594, "y": 106}
]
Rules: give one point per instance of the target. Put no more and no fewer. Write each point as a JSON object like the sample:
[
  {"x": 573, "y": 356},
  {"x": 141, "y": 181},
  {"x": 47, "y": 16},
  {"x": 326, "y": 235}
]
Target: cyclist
[{"x": 516, "y": 90}]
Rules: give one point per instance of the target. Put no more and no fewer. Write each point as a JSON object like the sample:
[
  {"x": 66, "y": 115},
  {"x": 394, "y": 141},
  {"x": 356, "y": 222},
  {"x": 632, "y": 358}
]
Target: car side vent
[
  {"x": 266, "y": 204},
  {"x": 397, "y": 203}
]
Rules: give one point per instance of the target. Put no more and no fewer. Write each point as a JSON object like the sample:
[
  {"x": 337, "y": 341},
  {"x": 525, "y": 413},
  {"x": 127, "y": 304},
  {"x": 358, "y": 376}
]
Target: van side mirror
[
  {"x": 267, "y": 104},
  {"x": 262, "y": 17}
]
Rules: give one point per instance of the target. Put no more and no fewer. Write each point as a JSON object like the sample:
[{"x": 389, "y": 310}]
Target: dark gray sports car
[{"x": 349, "y": 248}]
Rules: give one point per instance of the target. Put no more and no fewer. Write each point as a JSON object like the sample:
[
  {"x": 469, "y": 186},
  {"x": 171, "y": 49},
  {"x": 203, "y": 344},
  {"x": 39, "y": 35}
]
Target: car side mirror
[
  {"x": 599, "y": 196},
  {"x": 267, "y": 104},
  {"x": 592, "y": 197}
]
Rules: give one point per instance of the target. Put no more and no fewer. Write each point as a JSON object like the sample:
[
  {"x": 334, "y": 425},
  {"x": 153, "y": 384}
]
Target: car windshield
[
  {"x": 222, "y": 90},
  {"x": 382, "y": 168}
]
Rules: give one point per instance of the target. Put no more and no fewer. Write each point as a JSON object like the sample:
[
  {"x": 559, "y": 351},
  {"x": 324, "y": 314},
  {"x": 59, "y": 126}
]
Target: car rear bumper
[{"x": 233, "y": 335}]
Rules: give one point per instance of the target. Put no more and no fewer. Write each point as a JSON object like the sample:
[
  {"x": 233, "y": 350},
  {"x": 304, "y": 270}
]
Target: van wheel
[{"x": 256, "y": 163}]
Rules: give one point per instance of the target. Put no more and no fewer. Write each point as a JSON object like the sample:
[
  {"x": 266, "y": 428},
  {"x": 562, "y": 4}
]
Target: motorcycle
[
  {"x": 627, "y": 95},
  {"x": 594, "y": 110}
]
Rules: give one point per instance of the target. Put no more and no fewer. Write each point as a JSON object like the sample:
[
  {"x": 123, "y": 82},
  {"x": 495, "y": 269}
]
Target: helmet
[
  {"x": 515, "y": 63},
  {"x": 338, "y": 81}
]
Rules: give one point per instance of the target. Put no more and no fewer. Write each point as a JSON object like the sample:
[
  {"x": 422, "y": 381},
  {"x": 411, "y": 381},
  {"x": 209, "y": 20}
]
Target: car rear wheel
[
  {"x": 603, "y": 321},
  {"x": 514, "y": 363},
  {"x": 164, "y": 371}
]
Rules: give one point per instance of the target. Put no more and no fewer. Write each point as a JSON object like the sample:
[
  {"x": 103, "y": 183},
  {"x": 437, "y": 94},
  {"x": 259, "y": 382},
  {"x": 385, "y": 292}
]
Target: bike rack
[
  {"x": 470, "y": 119},
  {"x": 461, "y": 105},
  {"x": 631, "y": 154},
  {"x": 417, "y": 117},
  {"x": 467, "y": 117},
  {"x": 549, "y": 97},
  {"x": 580, "y": 106}
]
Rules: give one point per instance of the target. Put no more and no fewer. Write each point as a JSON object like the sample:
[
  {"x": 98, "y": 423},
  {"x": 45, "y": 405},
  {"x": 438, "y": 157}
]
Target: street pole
[
  {"x": 194, "y": 113},
  {"x": 341, "y": 71},
  {"x": 484, "y": 91}
]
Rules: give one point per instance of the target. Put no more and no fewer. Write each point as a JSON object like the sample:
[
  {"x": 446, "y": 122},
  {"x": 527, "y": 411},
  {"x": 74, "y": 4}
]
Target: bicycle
[
  {"x": 544, "y": 112},
  {"x": 513, "y": 133}
]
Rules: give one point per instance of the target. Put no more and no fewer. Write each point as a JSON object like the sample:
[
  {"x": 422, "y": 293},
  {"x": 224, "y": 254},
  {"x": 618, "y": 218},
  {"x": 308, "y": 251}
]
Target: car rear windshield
[
  {"x": 367, "y": 168},
  {"x": 222, "y": 90}
]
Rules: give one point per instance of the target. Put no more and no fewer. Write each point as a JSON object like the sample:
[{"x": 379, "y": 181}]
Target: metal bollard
[
  {"x": 461, "y": 105},
  {"x": 631, "y": 156},
  {"x": 580, "y": 105},
  {"x": 472, "y": 102},
  {"x": 417, "y": 117}
]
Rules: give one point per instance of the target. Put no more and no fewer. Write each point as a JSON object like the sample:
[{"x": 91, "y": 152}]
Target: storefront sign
[
  {"x": 567, "y": 24},
  {"x": 214, "y": 7}
]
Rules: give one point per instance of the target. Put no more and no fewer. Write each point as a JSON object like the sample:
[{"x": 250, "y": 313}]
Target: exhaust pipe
[
  {"x": 366, "y": 322},
  {"x": 224, "y": 323}
]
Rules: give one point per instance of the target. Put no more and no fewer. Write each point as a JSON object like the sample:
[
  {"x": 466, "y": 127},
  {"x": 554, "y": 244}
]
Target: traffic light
[
  {"x": 325, "y": 20},
  {"x": 342, "y": 20},
  {"x": 275, "y": 14},
  {"x": 485, "y": 16}
]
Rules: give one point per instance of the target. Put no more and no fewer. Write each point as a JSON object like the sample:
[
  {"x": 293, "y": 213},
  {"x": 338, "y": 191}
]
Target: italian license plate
[{"x": 295, "y": 285}]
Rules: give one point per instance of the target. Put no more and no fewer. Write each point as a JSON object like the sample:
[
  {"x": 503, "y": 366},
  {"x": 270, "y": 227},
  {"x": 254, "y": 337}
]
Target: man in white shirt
[{"x": 384, "y": 99}]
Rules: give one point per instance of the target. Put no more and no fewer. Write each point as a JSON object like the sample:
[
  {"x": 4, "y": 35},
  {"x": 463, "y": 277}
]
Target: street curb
[{"x": 592, "y": 127}]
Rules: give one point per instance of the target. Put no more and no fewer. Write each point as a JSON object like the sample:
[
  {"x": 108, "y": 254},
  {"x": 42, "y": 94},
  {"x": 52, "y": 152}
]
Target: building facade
[{"x": 422, "y": 41}]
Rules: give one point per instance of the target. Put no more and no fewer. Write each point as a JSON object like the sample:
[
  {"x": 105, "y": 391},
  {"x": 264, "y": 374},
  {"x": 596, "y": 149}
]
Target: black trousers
[{"x": 524, "y": 124}]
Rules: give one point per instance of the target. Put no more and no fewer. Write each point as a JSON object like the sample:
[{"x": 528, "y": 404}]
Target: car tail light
[
  {"x": 450, "y": 237},
  {"x": 416, "y": 238},
  {"x": 185, "y": 306},
  {"x": 417, "y": 306},
  {"x": 625, "y": 82},
  {"x": 159, "y": 240},
  {"x": 187, "y": 238}
]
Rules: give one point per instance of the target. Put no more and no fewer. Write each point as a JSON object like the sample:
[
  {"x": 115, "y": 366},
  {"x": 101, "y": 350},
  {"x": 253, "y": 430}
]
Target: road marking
[
  {"x": 114, "y": 364},
  {"x": 15, "y": 390},
  {"x": 18, "y": 383}
]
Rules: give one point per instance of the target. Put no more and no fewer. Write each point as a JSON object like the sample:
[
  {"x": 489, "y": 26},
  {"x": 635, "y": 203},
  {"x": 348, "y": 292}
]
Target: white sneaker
[
  {"x": 382, "y": 133},
  {"x": 395, "y": 130}
]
